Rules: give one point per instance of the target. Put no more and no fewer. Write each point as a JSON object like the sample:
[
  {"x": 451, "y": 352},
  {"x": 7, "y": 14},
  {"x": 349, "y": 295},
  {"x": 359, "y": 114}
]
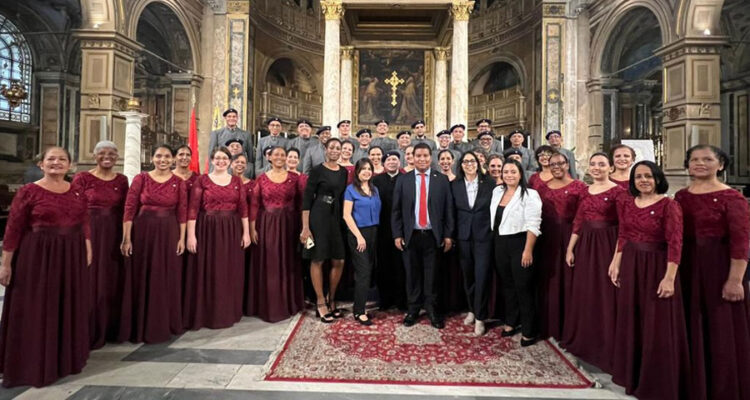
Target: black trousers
[
  {"x": 421, "y": 272},
  {"x": 475, "y": 258},
  {"x": 363, "y": 263},
  {"x": 518, "y": 283},
  {"x": 389, "y": 274}
]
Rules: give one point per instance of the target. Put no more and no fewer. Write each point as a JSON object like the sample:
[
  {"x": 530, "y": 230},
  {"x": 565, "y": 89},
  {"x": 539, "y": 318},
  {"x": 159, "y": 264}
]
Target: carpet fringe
[
  {"x": 573, "y": 360},
  {"x": 280, "y": 345}
]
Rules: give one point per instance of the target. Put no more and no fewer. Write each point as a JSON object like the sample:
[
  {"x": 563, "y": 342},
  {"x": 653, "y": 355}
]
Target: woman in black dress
[{"x": 322, "y": 222}]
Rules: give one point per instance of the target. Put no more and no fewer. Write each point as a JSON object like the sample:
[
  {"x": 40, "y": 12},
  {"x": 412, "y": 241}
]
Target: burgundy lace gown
[
  {"x": 154, "y": 285},
  {"x": 106, "y": 201},
  {"x": 215, "y": 276},
  {"x": 717, "y": 226},
  {"x": 44, "y": 333},
  {"x": 590, "y": 318},
  {"x": 247, "y": 187},
  {"x": 189, "y": 182},
  {"x": 558, "y": 210},
  {"x": 276, "y": 276},
  {"x": 650, "y": 356}
]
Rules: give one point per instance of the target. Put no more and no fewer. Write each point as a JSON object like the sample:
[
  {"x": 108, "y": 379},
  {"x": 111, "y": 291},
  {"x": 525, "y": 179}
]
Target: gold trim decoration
[
  {"x": 332, "y": 9},
  {"x": 347, "y": 52},
  {"x": 238, "y": 7},
  {"x": 441, "y": 53},
  {"x": 461, "y": 9}
]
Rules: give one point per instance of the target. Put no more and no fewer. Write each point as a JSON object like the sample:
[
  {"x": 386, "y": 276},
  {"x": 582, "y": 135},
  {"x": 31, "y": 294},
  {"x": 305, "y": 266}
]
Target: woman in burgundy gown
[
  {"x": 44, "y": 333},
  {"x": 623, "y": 158},
  {"x": 217, "y": 234},
  {"x": 542, "y": 155},
  {"x": 347, "y": 149},
  {"x": 105, "y": 192},
  {"x": 714, "y": 262},
  {"x": 650, "y": 356},
  {"x": 153, "y": 242},
  {"x": 560, "y": 199},
  {"x": 239, "y": 167},
  {"x": 276, "y": 278},
  {"x": 182, "y": 166},
  {"x": 590, "y": 317}
]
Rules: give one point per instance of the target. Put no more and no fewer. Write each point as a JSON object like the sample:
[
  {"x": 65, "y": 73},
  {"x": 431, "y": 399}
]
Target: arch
[
  {"x": 477, "y": 70},
  {"x": 659, "y": 8},
  {"x": 315, "y": 76},
  {"x": 689, "y": 24},
  {"x": 135, "y": 16},
  {"x": 16, "y": 64}
]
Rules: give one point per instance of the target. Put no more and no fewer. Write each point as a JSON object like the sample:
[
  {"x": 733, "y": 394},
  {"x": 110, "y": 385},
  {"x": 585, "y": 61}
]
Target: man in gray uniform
[
  {"x": 382, "y": 140},
  {"x": 457, "y": 132},
  {"x": 317, "y": 154},
  {"x": 345, "y": 132},
  {"x": 231, "y": 131},
  {"x": 444, "y": 142},
  {"x": 419, "y": 136},
  {"x": 274, "y": 139},
  {"x": 528, "y": 160},
  {"x": 498, "y": 144},
  {"x": 362, "y": 151},
  {"x": 554, "y": 138},
  {"x": 485, "y": 141},
  {"x": 303, "y": 141}
]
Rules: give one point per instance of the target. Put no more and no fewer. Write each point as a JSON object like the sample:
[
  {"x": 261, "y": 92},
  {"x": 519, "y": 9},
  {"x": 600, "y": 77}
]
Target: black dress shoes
[
  {"x": 410, "y": 319},
  {"x": 437, "y": 321},
  {"x": 528, "y": 342}
]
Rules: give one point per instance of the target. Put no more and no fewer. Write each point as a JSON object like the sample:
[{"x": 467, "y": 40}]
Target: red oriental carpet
[{"x": 390, "y": 353}]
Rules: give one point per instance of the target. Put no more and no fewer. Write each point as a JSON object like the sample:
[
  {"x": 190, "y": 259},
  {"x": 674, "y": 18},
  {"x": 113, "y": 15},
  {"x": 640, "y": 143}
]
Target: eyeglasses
[
  {"x": 468, "y": 162},
  {"x": 557, "y": 164}
]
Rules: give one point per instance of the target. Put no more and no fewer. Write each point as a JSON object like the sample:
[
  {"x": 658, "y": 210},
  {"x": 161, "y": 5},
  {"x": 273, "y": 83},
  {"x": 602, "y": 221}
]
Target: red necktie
[{"x": 423, "y": 202}]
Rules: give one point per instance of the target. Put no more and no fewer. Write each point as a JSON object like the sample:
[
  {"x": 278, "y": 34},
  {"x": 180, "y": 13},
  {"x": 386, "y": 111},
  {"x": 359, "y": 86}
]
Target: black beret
[
  {"x": 267, "y": 149},
  {"x": 403, "y": 133},
  {"x": 511, "y": 152},
  {"x": 391, "y": 153},
  {"x": 417, "y": 122},
  {"x": 277, "y": 119},
  {"x": 487, "y": 120},
  {"x": 363, "y": 131},
  {"x": 462, "y": 126},
  {"x": 382, "y": 121},
  {"x": 485, "y": 133},
  {"x": 553, "y": 132},
  {"x": 516, "y": 131},
  {"x": 230, "y": 141},
  {"x": 304, "y": 121},
  {"x": 343, "y": 121},
  {"x": 229, "y": 110},
  {"x": 443, "y": 132},
  {"x": 322, "y": 128}
]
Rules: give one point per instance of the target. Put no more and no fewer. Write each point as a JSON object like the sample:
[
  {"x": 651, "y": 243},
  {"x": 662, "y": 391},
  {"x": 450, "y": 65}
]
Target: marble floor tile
[
  {"x": 161, "y": 353},
  {"x": 55, "y": 392},
  {"x": 118, "y": 373},
  {"x": 202, "y": 376},
  {"x": 248, "y": 334}
]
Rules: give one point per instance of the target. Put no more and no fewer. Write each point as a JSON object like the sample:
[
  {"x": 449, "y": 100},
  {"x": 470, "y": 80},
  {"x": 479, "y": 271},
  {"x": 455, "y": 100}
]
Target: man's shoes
[
  {"x": 437, "y": 321},
  {"x": 410, "y": 319}
]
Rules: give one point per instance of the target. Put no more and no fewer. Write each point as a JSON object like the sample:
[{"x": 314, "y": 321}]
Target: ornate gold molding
[
  {"x": 347, "y": 52},
  {"x": 441, "y": 53},
  {"x": 238, "y": 7},
  {"x": 461, "y": 9},
  {"x": 332, "y": 9}
]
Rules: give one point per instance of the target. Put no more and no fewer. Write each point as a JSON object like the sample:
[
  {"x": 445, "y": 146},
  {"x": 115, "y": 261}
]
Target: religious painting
[{"x": 390, "y": 86}]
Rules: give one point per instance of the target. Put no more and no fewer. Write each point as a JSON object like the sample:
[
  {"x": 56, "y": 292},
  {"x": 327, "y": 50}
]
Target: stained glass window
[{"x": 15, "y": 64}]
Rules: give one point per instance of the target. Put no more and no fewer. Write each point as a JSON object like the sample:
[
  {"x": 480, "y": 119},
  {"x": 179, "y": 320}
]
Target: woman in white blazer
[{"x": 516, "y": 216}]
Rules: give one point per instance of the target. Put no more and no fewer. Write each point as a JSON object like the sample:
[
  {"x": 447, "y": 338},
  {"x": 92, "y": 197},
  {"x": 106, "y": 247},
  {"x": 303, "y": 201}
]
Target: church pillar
[
  {"x": 132, "y": 150},
  {"x": 333, "y": 11},
  {"x": 184, "y": 96},
  {"x": 460, "y": 63},
  {"x": 106, "y": 85},
  {"x": 553, "y": 31},
  {"x": 345, "y": 111},
  {"x": 238, "y": 59},
  {"x": 440, "y": 104},
  {"x": 692, "y": 100}
]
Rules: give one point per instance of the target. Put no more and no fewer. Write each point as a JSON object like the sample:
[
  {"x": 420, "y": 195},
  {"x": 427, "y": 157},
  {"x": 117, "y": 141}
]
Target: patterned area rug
[{"x": 388, "y": 352}]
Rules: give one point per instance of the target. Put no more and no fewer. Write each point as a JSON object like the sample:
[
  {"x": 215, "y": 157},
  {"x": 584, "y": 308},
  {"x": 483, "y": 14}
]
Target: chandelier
[{"x": 15, "y": 93}]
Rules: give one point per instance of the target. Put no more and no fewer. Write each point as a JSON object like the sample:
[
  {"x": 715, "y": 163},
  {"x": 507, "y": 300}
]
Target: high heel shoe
[
  {"x": 325, "y": 318},
  {"x": 528, "y": 342},
  {"x": 335, "y": 312},
  {"x": 511, "y": 332},
  {"x": 365, "y": 322}
]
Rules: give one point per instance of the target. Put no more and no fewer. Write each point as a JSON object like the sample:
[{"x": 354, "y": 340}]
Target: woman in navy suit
[{"x": 472, "y": 192}]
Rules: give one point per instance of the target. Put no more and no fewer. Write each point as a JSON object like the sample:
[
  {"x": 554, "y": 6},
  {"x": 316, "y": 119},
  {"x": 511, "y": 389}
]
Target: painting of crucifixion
[{"x": 391, "y": 86}]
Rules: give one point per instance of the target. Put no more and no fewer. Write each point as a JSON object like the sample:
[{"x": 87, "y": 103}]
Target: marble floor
[{"x": 230, "y": 364}]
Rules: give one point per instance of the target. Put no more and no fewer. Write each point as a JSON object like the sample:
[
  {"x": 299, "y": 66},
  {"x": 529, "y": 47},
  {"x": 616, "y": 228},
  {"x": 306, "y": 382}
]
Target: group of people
[{"x": 648, "y": 288}]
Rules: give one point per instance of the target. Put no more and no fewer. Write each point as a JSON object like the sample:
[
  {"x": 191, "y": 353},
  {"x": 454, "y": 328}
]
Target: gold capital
[
  {"x": 332, "y": 9},
  {"x": 347, "y": 52},
  {"x": 441, "y": 53},
  {"x": 461, "y": 9}
]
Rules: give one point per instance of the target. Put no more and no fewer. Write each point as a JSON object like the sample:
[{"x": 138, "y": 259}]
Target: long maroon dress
[
  {"x": 106, "y": 200},
  {"x": 215, "y": 276},
  {"x": 717, "y": 226},
  {"x": 155, "y": 281},
  {"x": 558, "y": 211},
  {"x": 276, "y": 278},
  {"x": 44, "y": 334},
  {"x": 247, "y": 187},
  {"x": 590, "y": 316},
  {"x": 189, "y": 182},
  {"x": 650, "y": 357}
]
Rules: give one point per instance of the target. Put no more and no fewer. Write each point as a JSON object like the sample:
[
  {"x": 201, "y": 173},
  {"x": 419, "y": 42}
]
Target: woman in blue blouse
[{"x": 362, "y": 214}]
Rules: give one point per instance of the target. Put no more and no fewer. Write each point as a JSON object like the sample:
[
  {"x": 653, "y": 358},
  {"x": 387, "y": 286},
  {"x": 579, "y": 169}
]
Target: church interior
[{"x": 667, "y": 74}]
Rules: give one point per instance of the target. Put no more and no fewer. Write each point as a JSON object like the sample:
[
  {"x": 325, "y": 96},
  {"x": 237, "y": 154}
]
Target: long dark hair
[
  {"x": 460, "y": 170},
  {"x": 521, "y": 182},
  {"x": 357, "y": 182}
]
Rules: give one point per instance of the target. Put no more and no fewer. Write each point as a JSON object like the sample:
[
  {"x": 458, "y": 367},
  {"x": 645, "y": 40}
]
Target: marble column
[
  {"x": 132, "y": 153},
  {"x": 553, "y": 48},
  {"x": 346, "y": 99},
  {"x": 460, "y": 9},
  {"x": 333, "y": 11},
  {"x": 440, "y": 104}
]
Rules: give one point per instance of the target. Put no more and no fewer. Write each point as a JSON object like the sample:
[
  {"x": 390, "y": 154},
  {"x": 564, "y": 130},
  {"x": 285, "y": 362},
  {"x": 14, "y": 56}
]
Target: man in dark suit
[
  {"x": 422, "y": 222},
  {"x": 472, "y": 192}
]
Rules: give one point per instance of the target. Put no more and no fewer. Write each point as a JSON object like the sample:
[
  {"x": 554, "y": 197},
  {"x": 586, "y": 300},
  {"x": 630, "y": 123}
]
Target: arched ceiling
[
  {"x": 161, "y": 32},
  {"x": 633, "y": 40}
]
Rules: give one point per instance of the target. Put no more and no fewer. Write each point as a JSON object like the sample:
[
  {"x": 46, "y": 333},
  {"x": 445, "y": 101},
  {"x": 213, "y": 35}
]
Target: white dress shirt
[
  {"x": 520, "y": 214},
  {"x": 472, "y": 187}
]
